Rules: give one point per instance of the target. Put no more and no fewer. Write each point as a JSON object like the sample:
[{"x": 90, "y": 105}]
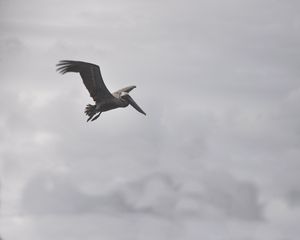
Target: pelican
[{"x": 92, "y": 79}]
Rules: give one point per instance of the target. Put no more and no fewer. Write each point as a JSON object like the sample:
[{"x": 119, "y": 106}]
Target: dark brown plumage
[{"x": 93, "y": 81}]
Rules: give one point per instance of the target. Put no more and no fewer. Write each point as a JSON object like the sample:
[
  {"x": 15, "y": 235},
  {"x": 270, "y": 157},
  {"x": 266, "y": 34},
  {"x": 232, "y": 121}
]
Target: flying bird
[{"x": 92, "y": 79}]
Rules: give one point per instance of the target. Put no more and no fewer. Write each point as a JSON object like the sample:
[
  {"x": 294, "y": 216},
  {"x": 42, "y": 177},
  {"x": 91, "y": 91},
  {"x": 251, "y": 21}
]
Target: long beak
[{"x": 134, "y": 104}]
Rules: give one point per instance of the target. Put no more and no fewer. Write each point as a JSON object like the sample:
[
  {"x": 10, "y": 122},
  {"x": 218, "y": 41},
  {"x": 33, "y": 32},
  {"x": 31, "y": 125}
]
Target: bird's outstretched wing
[
  {"x": 91, "y": 76},
  {"x": 126, "y": 89}
]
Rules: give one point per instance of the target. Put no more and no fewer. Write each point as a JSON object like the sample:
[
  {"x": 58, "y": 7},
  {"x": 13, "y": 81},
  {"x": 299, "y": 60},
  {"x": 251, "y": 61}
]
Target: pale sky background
[{"x": 218, "y": 155}]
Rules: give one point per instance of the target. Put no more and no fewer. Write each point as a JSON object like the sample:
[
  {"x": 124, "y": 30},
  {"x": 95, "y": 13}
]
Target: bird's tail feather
[{"x": 90, "y": 110}]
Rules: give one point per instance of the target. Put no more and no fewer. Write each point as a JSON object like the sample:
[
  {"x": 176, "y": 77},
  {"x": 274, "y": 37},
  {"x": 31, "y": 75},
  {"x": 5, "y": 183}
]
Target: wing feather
[
  {"x": 126, "y": 89},
  {"x": 91, "y": 76}
]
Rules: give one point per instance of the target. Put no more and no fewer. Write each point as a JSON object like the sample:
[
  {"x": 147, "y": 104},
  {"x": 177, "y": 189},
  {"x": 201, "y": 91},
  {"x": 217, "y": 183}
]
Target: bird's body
[{"x": 92, "y": 79}]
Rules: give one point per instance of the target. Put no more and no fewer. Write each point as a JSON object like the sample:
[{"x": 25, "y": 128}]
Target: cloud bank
[{"x": 215, "y": 158}]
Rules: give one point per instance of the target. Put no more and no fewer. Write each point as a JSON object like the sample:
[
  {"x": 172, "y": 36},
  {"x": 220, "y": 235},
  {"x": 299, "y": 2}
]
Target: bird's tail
[{"x": 90, "y": 110}]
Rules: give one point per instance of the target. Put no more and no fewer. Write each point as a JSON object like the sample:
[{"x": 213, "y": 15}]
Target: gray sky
[{"x": 216, "y": 157}]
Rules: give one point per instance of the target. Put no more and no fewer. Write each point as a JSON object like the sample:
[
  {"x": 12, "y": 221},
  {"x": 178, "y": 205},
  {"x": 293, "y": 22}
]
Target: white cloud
[{"x": 218, "y": 195}]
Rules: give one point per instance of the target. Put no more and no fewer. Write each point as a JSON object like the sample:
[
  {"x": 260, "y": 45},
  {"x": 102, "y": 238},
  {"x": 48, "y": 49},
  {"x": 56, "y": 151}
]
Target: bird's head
[{"x": 124, "y": 96}]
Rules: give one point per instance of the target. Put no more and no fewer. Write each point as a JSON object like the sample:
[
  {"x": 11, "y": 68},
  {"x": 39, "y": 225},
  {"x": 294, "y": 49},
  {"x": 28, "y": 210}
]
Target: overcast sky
[{"x": 218, "y": 155}]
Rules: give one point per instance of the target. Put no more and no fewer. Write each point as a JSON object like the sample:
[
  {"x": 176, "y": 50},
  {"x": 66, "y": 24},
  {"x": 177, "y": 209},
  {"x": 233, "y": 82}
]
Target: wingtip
[{"x": 63, "y": 66}]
